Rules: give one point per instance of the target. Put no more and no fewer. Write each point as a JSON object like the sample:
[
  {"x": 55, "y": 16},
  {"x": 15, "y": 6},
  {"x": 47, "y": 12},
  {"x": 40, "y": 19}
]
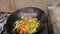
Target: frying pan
[{"x": 26, "y": 11}]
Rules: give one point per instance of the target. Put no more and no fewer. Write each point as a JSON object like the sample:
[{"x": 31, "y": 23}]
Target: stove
[{"x": 5, "y": 15}]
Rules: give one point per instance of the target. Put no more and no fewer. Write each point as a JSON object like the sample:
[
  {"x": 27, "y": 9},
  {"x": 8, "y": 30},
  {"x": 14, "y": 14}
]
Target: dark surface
[{"x": 27, "y": 11}]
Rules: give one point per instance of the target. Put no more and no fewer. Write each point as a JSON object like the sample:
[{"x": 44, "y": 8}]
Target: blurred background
[{"x": 50, "y": 7}]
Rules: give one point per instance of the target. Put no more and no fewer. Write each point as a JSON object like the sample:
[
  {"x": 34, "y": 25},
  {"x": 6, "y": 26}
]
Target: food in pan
[{"x": 26, "y": 25}]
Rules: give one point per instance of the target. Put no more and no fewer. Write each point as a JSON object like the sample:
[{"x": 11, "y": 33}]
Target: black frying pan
[{"x": 27, "y": 11}]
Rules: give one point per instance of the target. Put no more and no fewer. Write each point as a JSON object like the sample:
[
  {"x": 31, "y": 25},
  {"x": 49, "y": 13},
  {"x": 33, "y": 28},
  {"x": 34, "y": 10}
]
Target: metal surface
[{"x": 3, "y": 19}]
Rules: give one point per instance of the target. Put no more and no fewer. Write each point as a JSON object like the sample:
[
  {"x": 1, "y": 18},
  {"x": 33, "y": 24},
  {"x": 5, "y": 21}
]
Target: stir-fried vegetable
[{"x": 26, "y": 25}]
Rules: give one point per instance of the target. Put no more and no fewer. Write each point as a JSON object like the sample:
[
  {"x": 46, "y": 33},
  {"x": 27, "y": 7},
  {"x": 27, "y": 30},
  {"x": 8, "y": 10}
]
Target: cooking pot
[{"x": 27, "y": 11}]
